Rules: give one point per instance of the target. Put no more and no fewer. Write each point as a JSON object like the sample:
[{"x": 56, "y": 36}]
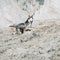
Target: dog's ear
[
  {"x": 28, "y": 16},
  {"x": 31, "y": 16}
]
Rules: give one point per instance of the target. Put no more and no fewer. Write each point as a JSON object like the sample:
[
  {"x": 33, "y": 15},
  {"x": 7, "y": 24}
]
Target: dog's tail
[{"x": 12, "y": 26}]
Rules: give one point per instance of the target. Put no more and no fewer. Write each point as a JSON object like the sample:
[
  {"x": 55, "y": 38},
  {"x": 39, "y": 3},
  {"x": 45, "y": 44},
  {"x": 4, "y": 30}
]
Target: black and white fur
[{"x": 22, "y": 26}]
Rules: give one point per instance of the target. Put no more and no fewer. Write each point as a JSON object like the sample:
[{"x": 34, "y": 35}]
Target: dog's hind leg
[
  {"x": 22, "y": 30},
  {"x": 16, "y": 30}
]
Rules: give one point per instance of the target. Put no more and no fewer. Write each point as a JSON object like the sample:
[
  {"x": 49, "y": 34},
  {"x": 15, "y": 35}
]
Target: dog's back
[{"x": 21, "y": 25}]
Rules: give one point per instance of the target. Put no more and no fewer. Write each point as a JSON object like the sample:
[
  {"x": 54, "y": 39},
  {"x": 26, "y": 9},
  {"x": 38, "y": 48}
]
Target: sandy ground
[{"x": 41, "y": 43}]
